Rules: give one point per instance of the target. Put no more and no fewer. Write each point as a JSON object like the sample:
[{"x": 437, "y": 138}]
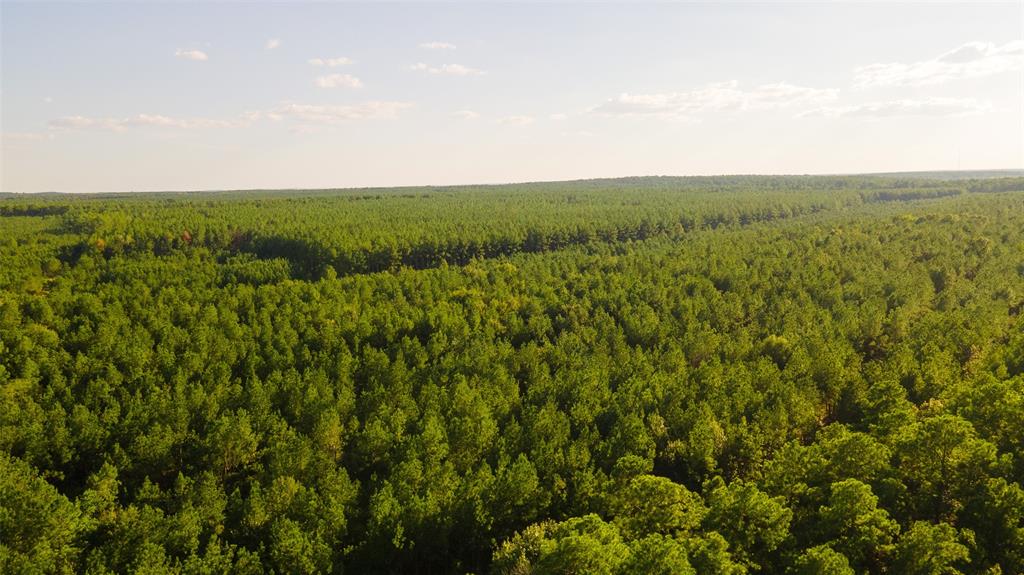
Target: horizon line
[{"x": 1011, "y": 171}]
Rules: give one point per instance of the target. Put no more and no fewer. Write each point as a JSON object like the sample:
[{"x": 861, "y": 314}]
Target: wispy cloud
[
  {"x": 437, "y": 46},
  {"x": 723, "y": 96},
  {"x": 447, "y": 69},
  {"x": 467, "y": 115},
  {"x": 338, "y": 81},
  {"x": 971, "y": 60},
  {"x": 139, "y": 121},
  {"x": 304, "y": 114},
  {"x": 577, "y": 134},
  {"x": 516, "y": 120},
  {"x": 902, "y": 108},
  {"x": 273, "y": 43},
  {"x": 197, "y": 55},
  {"x": 320, "y": 114},
  {"x": 330, "y": 62},
  {"x": 25, "y": 136}
]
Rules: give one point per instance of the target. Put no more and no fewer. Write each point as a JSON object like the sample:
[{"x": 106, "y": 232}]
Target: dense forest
[{"x": 720, "y": 375}]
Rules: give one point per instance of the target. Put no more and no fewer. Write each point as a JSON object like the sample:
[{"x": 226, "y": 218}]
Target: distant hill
[
  {"x": 952, "y": 174},
  {"x": 773, "y": 181}
]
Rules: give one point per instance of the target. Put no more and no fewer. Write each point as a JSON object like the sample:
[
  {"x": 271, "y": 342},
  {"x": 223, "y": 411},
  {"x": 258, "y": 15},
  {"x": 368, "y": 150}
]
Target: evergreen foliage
[{"x": 726, "y": 375}]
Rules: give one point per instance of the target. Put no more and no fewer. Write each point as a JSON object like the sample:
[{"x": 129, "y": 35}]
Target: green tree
[
  {"x": 655, "y": 505},
  {"x": 930, "y": 549},
  {"x": 40, "y": 530},
  {"x": 578, "y": 545},
  {"x": 943, "y": 462},
  {"x": 821, "y": 560},
  {"x": 755, "y": 524},
  {"x": 857, "y": 528}
]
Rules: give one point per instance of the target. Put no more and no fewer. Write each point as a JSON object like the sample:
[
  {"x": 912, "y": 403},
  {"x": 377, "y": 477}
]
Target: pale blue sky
[{"x": 115, "y": 97}]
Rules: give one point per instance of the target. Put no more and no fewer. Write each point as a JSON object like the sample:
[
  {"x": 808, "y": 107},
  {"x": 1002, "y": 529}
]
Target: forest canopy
[{"x": 717, "y": 375}]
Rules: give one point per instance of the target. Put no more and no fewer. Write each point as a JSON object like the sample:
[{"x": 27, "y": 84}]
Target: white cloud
[
  {"x": 516, "y": 120},
  {"x": 437, "y": 46},
  {"x": 184, "y": 123},
  {"x": 305, "y": 129},
  {"x": 320, "y": 114},
  {"x": 902, "y": 108},
  {"x": 330, "y": 62},
  {"x": 197, "y": 55},
  {"x": 338, "y": 81},
  {"x": 447, "y": 69},
  {"x": 273, "y": 43},
  {"x": 302, "y": 115},
  {"x": 140, "y": 120},
  {"x": 467, "y": 115},
  {"x": 558, "y": 117},
  {"x": 83, "y": 123},
  {"x": 723, "y": 96},
  {"x": 25, "y": 136},
  {"x": 48, "y": 100},
  {"x": 971, "y": 60}
]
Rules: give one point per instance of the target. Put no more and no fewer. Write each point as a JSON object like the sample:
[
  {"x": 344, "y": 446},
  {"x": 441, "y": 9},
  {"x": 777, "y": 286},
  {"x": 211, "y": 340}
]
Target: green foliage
[
  {"x": 650, "y": 505},
  {"x": 943, "y": 462},
  {"x": 579, "y": 545},
  {"x": 719, "y": 375},
  {"x": 42, "y": 531},
  {"x": 821, "y": 560},
  {"x": 755, "y": 523},
  {"x": 861, "y": 531},
  {"x": 657, "y": 555},
  {"x": 929, "y": 549}
]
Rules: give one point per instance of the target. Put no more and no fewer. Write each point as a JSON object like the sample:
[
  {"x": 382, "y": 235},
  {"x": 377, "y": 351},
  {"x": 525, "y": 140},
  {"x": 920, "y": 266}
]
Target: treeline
[
  {"x": 385, "y": 231},
  {"x": 836, "y": 391},
  {"x": 31, "y": 210}
]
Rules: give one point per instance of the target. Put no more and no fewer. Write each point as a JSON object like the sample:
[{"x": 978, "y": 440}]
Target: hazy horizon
[
  {"x": 926, "y": 174},
  {"x": 193, "y": 97}
]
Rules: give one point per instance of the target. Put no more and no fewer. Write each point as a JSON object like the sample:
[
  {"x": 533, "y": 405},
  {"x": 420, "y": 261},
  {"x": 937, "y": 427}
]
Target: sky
[{"x": 109, "y": 97}]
